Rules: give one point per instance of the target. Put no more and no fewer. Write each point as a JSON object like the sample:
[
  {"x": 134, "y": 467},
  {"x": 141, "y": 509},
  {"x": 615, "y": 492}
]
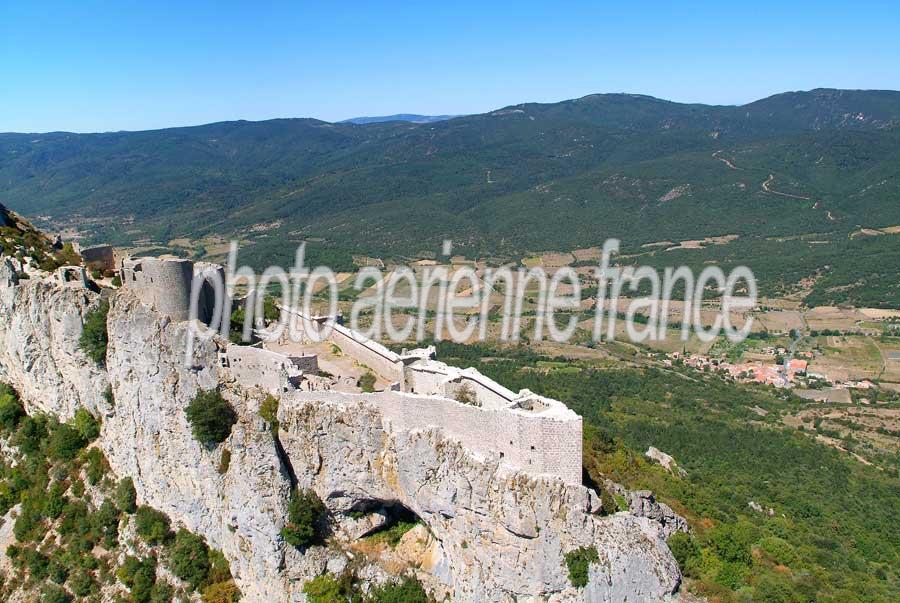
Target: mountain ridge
[
  {"x": 524, "y": 178},
  {"x": 407, "y": 117},
  {"x": 815, "y": 92}
]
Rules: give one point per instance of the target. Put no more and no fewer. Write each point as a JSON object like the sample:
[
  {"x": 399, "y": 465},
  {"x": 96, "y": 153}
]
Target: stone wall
[
  {"x": 308, "y": 363},
  {"x": 72, "y": 276},
  {"x": 543, "y": 438},
  {"x": 165, "y": 285},
  {"x": 162, "y": 284},
  {"x": 274, "y": 373},
  {"x": 370, "y": 353},
  {"x": 431, "y": 378},
  {"x": 518, "y": 439}
]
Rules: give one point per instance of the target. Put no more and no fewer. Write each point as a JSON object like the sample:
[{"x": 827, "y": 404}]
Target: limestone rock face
[
  {"x": 147, "y": 437},
  {"x": 502, "y": 535},
  {"x": 40, "y": 323},
  {"x": 643, "y": 503},
  {"x": 492, "y": 534}
]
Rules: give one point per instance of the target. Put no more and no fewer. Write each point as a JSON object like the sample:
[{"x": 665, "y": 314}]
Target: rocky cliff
[
  {"x": 489, "y": 535},
  {"x": 40, "y": 323}
]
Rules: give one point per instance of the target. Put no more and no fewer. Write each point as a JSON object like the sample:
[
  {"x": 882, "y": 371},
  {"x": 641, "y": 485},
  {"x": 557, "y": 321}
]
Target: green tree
[
  {"x": 86, "y": 425},
  {"x": 152, "y": 525},
  {"x": 30, "y": 434},
  {"x": 65, "y": 442},
  {"x": 408, "y": 590},
  {"x": 608, "y": 504},
  {"x": 106, "y": 523},
  {"x": 56, "y": 500},
  {"x": 126, "y": 496},
  {"x": 139, "y": 575},
  {"x": 305, "y": 511},
  {"x": 732, "y": 541},
  {"x": 190, "y": 558},
  {"x": 268, "y": 410},
  {"x": 11, "y": 410},
  {"x": 82, "y": 583},
  {"x": 685, "y": 550},
  {"x": 367, "y": 382},
  {"x": 94, "y": 337},
  {"x": 211, "y": 417},
  {"x": 324, "y": 589},
  {"x": 578, "y": 562},
  {"x": 54, "y": 594},
  {"x": 221, "y": 592},
  {"x": 96, "y": 465},
  {"x": 162, "y": 592}
]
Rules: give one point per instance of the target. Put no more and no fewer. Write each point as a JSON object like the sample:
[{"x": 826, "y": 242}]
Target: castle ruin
[{"x": 521, "y": 430}]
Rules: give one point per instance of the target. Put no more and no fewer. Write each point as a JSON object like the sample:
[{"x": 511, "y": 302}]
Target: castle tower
[
  {"x": 165, "y": 285},
  {"x": 162, "y": 283}
]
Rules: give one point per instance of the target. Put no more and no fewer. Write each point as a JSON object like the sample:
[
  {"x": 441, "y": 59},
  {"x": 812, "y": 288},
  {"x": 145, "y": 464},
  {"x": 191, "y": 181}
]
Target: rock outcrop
[
  {"x": 655, "y": 454},
  {"x": 147, "y": 437},
  {"x": 642, "y": 503},
  {"x": 39, "y": 354},
  {"x": 493, "y": 534},
  {"x": 503, "y": 535}
]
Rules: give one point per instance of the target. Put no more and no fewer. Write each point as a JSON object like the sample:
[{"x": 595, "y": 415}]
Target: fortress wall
[
  {"x": 164, "y": 285},
  {"x": 431, "y": 378},
  {"x": 370, "y": 353},
  {"x": 545, "y": 445},
  {"x": 424, "y": 381},
  {"x": 169, "y": 283},
  {"x": 489, "y": 394},
  {"x": 476, "y": 429},
  {"x": 521, "y": 441},
  {"x": 256, "y": 367},
  {"x": 374, "y": 355}
]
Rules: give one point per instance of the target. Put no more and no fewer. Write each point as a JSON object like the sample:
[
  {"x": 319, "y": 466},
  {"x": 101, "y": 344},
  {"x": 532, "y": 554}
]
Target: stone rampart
[
  {"x": 370, "y": 353},
  {"x": 255, "y": 367},
  {"x": 547, "y": 442}
]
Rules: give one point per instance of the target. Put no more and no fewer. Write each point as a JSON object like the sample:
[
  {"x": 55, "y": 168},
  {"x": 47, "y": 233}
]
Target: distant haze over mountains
[
  {"x": 410, "y": 117},
  {"x": 804, "y": 170}
]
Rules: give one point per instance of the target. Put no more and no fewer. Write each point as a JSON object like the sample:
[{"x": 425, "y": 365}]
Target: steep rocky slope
[
  {"x": 39, "y": 354},
  {"x": 491, "y": 535}
]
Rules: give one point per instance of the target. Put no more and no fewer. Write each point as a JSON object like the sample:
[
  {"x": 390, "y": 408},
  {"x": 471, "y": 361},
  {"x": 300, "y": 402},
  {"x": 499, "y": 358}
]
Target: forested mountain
[
  {"x": 521, "y": 179},
  {"x": 411, "y": 117}
]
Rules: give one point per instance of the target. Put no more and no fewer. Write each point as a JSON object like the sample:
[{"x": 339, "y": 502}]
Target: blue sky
[{"x": 99, "y": 66}]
